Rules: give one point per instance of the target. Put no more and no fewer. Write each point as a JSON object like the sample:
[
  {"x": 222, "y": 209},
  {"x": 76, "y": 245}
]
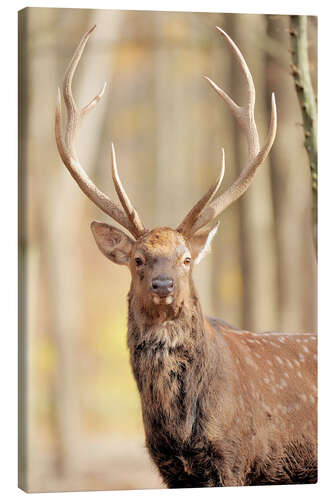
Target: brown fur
[{"x": 221, "y": 406}]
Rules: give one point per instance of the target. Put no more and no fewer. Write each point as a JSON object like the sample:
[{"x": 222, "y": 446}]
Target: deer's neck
[{"x": 169, "y": 360}]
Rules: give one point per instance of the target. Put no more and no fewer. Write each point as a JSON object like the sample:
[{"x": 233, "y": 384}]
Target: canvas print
[{"x": 167, "y": 250}]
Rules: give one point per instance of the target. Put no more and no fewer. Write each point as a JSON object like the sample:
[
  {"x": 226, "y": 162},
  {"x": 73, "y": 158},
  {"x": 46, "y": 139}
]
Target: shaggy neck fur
[
  {"x": 167, "y": 348},
  {"x": 176, "y": 367}
]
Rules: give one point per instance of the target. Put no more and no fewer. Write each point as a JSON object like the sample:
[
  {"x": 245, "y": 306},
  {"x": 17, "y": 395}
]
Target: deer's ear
[
  {"x": 200, "y": 242},
  {"x": 112, "y": 242}
]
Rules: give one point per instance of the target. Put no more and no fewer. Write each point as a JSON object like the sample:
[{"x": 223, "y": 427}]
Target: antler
[
  {"x": 256, "y": 156},
  {"x": 128, "y": 218},
  {"x": 186, "y": 226}
]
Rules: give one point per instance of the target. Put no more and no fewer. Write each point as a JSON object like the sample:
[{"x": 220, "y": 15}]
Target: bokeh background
[{"x": 80, "y": 419}]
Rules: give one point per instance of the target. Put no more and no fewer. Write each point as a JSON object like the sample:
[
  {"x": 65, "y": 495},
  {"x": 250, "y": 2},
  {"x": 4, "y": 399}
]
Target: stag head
[{"x": 160, "y": 262}]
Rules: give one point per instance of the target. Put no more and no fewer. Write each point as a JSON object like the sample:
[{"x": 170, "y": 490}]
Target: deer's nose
[{"x": 162, "y": 285}]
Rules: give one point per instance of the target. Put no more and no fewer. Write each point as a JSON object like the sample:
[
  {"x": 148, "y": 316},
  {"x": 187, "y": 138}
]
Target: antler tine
[
  {"x": 251, "y": 91},
  {"x": 187, "y": 224},
  {"x": 66, "y": 148},
  {"x": 124, "y": 199},
  {"x": 243, "y": 114},
  {"x": 73, "y": 115},
  {"x": 227, "y": 99},
  {"x": 245, "y": 117},
  {"x": 244, "y": 180},
  {"x": 93, "y": 101}
]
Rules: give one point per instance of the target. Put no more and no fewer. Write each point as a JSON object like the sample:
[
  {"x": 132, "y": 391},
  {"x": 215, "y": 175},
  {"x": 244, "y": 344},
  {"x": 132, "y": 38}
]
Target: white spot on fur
[
  {"x": 296, "y": 362},
  {"x": 266, "y": 407},
  {"x": 266, "y": 380},
  {"x": 156, "y": 300},
  {"x": 249, "y": 361},
  {"x": 299, "y": 374},
  {"x": 269, "y": 362},
  {"x": 286, "y": 374},
  {"x": 304, "y": 398},
  {"x": 289, "y": 363},
  {"x": 315, "y": 357},
  {"x": 312, "y": 399},
  {"x": 279, "y": 360},
  {"x": 283, "y": 383},
  {"x": 257, "y": 355},
  {"x": 305, "y": 349},
  {"x": 169, "y": 300}
]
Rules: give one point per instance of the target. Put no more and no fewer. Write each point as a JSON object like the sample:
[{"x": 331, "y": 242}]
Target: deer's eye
[
  {"x": 138, "y": 262},
  {"x": 187, "y": 261}
]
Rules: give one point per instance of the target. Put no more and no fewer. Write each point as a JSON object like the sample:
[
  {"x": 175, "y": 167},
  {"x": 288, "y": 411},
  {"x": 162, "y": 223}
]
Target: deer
[{"x": 221, "y": 406}]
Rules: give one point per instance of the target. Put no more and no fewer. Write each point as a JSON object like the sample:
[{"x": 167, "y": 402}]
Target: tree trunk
[
  {"x": 257, "y": 220},
  {"x": 292, "y": 199},
  {"x": 307, "y": 102}
]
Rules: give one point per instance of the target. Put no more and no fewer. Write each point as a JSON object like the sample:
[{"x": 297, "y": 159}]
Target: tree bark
[{"x": 307, "y": 101}]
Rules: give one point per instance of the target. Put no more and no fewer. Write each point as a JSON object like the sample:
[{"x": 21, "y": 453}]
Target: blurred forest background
[{"x": 80, "y": 413}]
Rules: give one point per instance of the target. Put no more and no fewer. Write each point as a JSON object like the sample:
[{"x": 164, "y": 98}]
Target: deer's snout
[{"x": 162, "y": 285}]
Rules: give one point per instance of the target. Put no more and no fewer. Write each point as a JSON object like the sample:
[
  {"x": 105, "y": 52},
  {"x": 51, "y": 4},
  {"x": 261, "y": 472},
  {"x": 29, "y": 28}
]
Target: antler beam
[
  {"x": 256, "y": 156},
  {"x": 128, "y": 218}
]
